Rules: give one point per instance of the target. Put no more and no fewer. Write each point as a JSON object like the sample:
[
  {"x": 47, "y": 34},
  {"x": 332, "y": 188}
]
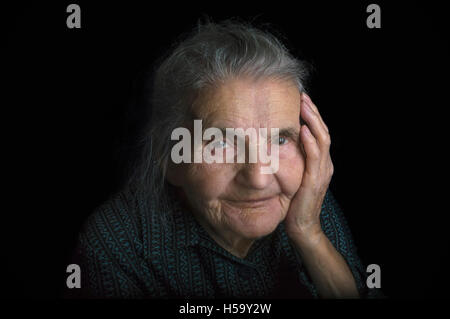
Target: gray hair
[{"x": 211, "y": 54}]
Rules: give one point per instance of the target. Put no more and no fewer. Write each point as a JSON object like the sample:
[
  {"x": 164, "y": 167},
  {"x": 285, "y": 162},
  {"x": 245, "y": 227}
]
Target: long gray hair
[{"x": 208, "y": 56}]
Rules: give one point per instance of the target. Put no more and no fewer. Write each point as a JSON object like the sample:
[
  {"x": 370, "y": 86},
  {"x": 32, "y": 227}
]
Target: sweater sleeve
[{"x": 336, "y": 228}]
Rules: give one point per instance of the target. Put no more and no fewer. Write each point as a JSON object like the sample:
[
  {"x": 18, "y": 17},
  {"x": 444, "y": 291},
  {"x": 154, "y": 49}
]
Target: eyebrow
[{"x": 289, "y": 132}]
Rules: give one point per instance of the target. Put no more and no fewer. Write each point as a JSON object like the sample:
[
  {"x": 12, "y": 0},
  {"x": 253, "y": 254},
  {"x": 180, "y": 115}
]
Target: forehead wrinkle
[
  {"x": 230, "y": 119},
  {"x": 245, "y": 114},
  {"x": 249, "y": 106},
  {"x": 220, "y": 120}
]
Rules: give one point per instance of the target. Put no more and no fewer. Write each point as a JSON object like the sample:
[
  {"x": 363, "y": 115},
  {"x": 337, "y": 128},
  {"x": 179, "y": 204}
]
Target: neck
[{"x": 235, "y": 245}]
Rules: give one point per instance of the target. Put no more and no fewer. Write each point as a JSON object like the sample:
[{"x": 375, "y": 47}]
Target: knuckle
[
  {"x": 326, "y": 140},
  {"x": 314, "y": 153},
  {"x": 331, "y": 169}
]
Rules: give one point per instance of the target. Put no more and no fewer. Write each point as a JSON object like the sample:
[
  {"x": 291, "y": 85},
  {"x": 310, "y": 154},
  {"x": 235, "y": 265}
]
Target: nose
[{"x": 250, "y": 175}]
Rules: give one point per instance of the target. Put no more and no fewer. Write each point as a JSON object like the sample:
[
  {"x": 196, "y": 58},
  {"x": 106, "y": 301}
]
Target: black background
[{"x": 69, "y": 108}]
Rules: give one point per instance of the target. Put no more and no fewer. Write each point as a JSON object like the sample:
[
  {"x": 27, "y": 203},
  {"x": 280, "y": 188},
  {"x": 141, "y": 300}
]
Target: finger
[
  {"x": 300, "y": 142},
  {"x": 316, "y": 127},
  {"x": 330, "y": 167},
  {"x": 308, "y": 100},
  {"x": 312, "y": 151}
]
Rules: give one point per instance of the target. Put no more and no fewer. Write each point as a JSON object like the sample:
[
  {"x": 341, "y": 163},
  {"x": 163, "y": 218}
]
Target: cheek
[
  {"x": 290, "y": 173},
  {"x": 209, "y": 180}
]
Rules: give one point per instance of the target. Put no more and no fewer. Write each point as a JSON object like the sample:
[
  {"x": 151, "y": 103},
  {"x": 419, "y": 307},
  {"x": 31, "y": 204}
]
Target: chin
[
  {"x": 253, "y": 222},
  {"x": 256, "y": 232}
]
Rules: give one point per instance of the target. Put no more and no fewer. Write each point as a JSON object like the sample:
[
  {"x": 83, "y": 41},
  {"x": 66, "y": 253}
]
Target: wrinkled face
[{"x": 237, "y": 199}]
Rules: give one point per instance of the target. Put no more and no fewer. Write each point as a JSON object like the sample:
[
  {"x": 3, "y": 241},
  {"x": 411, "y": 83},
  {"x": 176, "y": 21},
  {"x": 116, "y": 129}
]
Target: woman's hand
[
  {"x": 327, "y": 267},
  {"x": 302, "y": 220}
]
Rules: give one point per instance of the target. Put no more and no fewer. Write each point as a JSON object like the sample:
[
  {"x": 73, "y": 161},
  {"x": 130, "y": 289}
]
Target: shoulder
[
  {"x": 115, "y": 225},
  {"x": 111, "y": 248}
]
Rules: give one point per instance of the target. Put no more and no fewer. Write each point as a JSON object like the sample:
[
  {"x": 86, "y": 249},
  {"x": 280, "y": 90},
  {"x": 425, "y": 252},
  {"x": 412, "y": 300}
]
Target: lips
[{"x": 252, "y": 202}]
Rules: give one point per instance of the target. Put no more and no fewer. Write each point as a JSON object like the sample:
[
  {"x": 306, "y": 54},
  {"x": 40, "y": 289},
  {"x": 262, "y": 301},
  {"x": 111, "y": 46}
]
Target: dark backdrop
[{"x": 70, "y": 111}]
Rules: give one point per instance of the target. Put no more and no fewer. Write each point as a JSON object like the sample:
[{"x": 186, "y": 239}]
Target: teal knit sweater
[{"x": 127, "y": 249}]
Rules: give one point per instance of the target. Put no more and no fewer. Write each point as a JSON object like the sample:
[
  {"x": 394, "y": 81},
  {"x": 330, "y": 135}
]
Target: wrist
[{"x": 306, "y": 237}]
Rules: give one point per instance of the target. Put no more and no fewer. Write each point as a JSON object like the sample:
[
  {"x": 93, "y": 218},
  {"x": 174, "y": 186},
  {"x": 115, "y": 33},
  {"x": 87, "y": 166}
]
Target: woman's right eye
[{"x": 222, "y": 144}]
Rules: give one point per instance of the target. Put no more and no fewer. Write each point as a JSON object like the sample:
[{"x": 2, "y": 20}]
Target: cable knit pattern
[{"x": 127, "y": 249}]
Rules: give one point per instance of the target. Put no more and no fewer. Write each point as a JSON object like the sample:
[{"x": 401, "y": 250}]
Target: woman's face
[{"x": 236, "y": 200}]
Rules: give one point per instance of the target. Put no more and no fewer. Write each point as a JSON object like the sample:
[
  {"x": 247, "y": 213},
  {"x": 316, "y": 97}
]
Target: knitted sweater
[{"x": 127, "y": 249}]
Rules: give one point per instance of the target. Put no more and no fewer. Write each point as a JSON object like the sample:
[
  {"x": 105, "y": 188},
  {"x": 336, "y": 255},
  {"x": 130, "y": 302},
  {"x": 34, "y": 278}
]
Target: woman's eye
[
  {"x": 221, "y": 144},
  {"x": 282, "y": 140}
]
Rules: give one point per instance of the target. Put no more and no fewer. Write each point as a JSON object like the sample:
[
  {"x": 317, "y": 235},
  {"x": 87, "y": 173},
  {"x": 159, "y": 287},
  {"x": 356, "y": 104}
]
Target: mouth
[{"x": 252, "y": 202}]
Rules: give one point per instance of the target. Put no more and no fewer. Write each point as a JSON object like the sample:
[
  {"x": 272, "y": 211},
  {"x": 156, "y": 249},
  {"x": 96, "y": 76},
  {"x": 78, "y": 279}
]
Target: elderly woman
[{"x": 226, "y": 229}]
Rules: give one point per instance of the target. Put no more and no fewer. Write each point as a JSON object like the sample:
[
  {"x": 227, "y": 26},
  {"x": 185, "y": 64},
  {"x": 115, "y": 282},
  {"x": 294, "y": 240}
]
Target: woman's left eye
[
  {"x": 221, "y": 144},
  {"x": 282, "y": 140}
]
